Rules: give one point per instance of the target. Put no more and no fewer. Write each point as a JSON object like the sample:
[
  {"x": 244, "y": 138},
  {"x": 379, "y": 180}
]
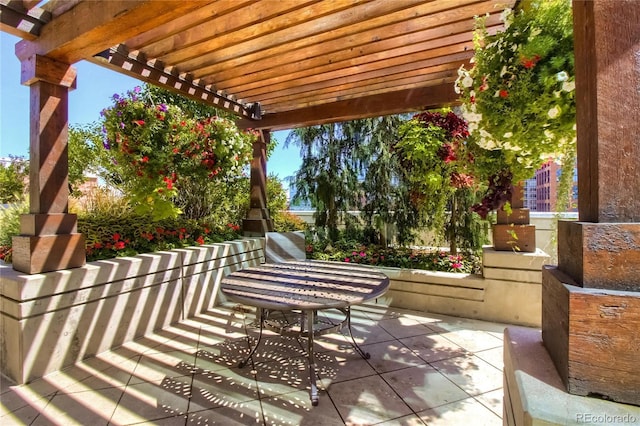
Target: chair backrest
[{"x": 284, "y": 246}]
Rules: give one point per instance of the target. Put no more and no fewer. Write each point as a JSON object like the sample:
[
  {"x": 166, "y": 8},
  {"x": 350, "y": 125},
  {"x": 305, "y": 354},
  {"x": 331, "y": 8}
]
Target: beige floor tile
[
  {"x": 20, "y": 417},
  {"x": 492, "y": 400},
  {"x": 433, "y": 347},
  {"x": 21, "y": 406},
  {"x": 368, "y": 400},
  {"x": 338, "y": 366},
  {"x": 494, "y": 357},
  {"x": 473, "y": 340},
  {"x": 460, "y": 413},
  {"x": 295, "y": 409},
  {"x": 246, "y": 413},
  {"x": 222, "y": 388},
  {"x": 157, "y": 367},
  {"x": 423, "y": 387},
  {"x": 151, "y": 401},
  {"x": 391, "y": 355},
  {"x": 365, "y": 334},
  {"x": 81, "y": 408},
  {"x": 472, "y": 374},
  {"x": 410, "y": 420},
  {"x": 282, "y": 377},
  {"x": 223, "y": 355},
  {"x": 404, "y": 327}
]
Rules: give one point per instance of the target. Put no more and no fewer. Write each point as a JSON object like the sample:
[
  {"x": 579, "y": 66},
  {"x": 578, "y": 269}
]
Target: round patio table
[{"x": 304, "y": 288}]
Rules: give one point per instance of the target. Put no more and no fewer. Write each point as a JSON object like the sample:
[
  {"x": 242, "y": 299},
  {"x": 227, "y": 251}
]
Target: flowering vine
[
  {"x": 153, "y": 148},
  {"x": 519, "y": 95}
]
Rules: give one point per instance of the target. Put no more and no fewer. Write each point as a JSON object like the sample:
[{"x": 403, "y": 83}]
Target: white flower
[
  {"x": 569, "y": 86},
  {"x": 507, "y": 135},
  {"x": 503, "y": 71},
  {"x": 554, "y": 112},
  {"x": 548, "y": 133},
  {"x": 534, "y": 32},
  {"x": 556, "y": 93},
  {"x": 467, "y": 81},
  {"x": 472, "y": 127},
  {"x": 562, "y": 76}
]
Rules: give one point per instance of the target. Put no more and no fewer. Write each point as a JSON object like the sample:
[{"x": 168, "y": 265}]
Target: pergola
[{"x": 285, "y": 64}]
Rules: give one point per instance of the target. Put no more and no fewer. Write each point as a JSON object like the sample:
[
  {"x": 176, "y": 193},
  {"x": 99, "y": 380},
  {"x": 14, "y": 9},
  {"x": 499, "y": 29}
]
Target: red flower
[
  {"x": 145, "y": 159},
  {"x": 138, "y": 122},
  {"x": 207, "y": 230},
  {"x": 503, "y": 93},
  {"x": 456, "y": 265},
  {"x": 119, "y": 245},
  {"x": 200, "y": 240},
  {"x": 116, "y": 237},
  {"x": 97, "y": 245},
  {"x": 529, "y": 63},
  {"x": 346, "y": 259}
]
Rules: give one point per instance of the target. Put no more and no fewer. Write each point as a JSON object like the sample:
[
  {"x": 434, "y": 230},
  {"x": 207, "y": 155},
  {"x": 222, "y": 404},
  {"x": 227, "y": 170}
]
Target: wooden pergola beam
[
  {"x": 21, "y": 22},
  {"x": 365, "y": 107},
  {"x": 136, "y": 66},
  {"x": 81, "y": 32}
]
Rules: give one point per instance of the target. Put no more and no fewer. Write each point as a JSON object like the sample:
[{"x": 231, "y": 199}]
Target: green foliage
[
  {"x": 113, "y": 228},
  {"x": 435, "y": 162},
  {"x": 10, "y": 226},
  {"x": 284, "y": 221},
  {"x": 13, "y": 178},
  {"x": 153, "y": 148},
  {"x": 349, "y": 166},
  {"x": 328, "y": 176},
  {"x": 83, "y": 144},
  {"x": 519, "y": 96},
  {"x": 353, "y": 251}
]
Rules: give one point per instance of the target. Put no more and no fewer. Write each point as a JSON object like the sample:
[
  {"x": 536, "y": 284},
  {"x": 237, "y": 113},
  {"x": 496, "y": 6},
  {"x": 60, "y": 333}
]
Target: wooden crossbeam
[
  {"x": 402, "y": 101},
  {"x": 17, "y": 20},
  {"x": 153, "y": 72}
]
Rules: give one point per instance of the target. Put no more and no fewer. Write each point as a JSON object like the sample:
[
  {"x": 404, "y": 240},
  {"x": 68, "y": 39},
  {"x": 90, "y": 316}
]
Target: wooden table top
[{"x": 306, "y": 285}]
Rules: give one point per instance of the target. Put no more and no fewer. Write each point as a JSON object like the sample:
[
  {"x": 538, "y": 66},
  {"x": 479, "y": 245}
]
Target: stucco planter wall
[
  {"x": 52, "y": 320},
  {"x": 509, "y": 289}
]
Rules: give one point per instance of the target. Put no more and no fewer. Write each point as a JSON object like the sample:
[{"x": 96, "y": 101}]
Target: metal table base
[{"x": 308, "y": 319}]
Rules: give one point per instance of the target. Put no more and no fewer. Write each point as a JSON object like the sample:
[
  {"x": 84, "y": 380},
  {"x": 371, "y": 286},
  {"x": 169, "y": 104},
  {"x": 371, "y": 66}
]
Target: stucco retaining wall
[{"x": 52, "y": 320}]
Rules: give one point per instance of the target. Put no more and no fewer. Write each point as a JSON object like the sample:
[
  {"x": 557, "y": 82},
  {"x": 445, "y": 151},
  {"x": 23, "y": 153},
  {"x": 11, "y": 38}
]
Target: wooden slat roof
[{"x": 287, "y": 62}]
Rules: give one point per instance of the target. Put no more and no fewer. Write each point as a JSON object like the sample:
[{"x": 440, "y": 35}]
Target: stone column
[
  {"x": 591, "y": 300},
  {"x": 48, "y": 239},
  {"x": 258, "y": 221}
]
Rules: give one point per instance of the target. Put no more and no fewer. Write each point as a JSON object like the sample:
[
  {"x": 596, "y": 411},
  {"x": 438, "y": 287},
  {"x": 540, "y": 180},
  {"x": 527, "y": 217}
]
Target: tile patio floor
[{"x": 424, "y": 369}]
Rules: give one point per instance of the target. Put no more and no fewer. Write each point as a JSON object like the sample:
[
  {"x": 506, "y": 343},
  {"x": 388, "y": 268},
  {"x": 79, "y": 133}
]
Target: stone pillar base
[
  {"x": 36, "y": 254},
  {"x": 534, "y": 393},
  {"x": 592, "y": 336},
  {"x": 603, "y": 255}
]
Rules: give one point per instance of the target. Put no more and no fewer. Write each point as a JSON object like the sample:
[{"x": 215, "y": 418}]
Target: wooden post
[
  {"x": 591, "y": 300},
  {"x": 48, "y": 239},
  {"x": 258, "y": 221}
]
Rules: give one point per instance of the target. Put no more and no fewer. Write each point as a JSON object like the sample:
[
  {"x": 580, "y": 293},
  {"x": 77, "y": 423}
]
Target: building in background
[{"x": 530, "y": 194}]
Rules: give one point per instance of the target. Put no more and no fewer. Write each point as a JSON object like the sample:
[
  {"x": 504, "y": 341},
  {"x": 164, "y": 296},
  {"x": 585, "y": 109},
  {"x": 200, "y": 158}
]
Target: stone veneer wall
[{"x": 52, "y": 320}]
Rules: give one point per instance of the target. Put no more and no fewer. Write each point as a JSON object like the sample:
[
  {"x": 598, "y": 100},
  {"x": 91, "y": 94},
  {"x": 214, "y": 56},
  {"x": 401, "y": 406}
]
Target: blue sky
[{"x": 95, "y": 86}]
